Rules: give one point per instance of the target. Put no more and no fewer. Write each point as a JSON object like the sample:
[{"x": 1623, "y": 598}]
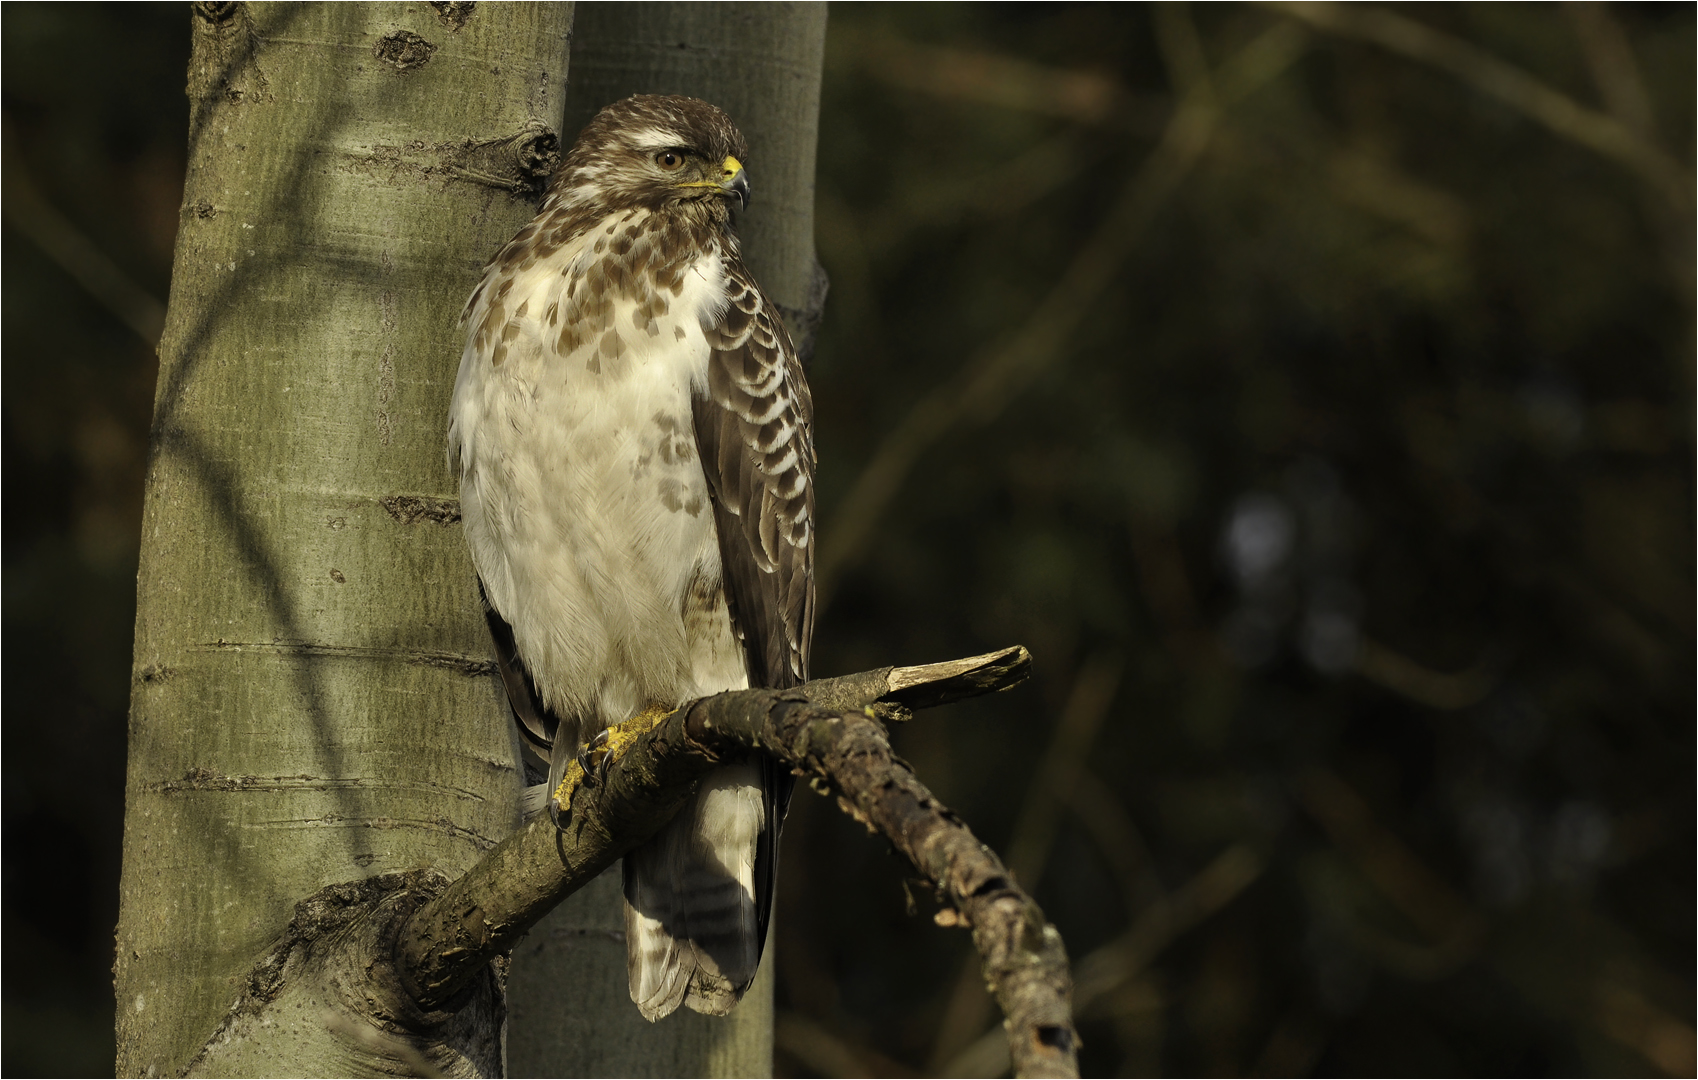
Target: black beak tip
[{"x": 740, "y": 188}]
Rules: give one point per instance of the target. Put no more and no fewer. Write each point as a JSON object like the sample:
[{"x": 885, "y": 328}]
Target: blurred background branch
[
  {"x": 1002, "y": 81},
  {"x": 1059, "y": 772},
  {"x": 986, "y": 384},
  {"x": 1614, "y": 136},
  {"x": 77, "y": 255}
]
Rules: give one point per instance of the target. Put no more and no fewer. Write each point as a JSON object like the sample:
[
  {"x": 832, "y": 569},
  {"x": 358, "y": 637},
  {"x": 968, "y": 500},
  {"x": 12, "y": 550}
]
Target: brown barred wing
[{"x": 754, "y": 430}]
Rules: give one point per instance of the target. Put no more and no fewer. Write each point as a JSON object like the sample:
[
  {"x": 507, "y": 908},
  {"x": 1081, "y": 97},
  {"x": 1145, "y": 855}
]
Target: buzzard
[{"x": 632, "y": 434}]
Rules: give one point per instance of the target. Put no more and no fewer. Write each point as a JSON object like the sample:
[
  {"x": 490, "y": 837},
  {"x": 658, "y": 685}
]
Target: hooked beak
[{"x": 734, "y": 182}]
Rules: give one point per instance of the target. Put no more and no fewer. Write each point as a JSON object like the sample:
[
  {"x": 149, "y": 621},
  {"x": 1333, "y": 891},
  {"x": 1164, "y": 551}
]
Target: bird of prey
[{"x": 633, "y": 439}]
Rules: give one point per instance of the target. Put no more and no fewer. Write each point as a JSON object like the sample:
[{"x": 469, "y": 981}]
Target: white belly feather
[{"x": 584, "y": 503}]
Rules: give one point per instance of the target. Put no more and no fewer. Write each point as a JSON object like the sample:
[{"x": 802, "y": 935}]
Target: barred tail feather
[{"x": 692, "y": 933}]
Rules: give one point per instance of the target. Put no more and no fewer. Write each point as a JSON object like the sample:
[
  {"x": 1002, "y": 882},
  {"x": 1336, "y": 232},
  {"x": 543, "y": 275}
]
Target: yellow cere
[
  {"x": 619, "y": 739},
  {"x": 732, "y": 167}
]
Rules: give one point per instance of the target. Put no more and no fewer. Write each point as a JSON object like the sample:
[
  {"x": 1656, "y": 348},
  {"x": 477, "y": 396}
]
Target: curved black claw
[
  {"x": 601, "y": 743},
  {"x": 593, "y": 770}
]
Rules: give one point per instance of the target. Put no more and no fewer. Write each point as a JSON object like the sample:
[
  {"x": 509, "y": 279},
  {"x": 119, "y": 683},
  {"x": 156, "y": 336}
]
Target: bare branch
[
  {"x": 1216, "y": 885},
  {"x": 1435, "y": 689},
  {"x": 1615, "y": 70},
  {"x": 983, "y": 387},
  {"x": 829, "y": 1053},
  {"x": 1410, "y": 884},
  {"x": 995, "y": 79},
  {"x": 894, "y": 693},
  {"x": 1112, "y": 966},
  {"x": 1561, "y": 114},
  {"x": 825, "y": 730},
  {"x": 1034, "y": 832},
  {"x": 79, "y": 256}
]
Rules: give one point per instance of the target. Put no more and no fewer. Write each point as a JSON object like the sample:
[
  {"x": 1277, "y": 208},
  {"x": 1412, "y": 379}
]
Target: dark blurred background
[{"x": 1311, "y": 390}]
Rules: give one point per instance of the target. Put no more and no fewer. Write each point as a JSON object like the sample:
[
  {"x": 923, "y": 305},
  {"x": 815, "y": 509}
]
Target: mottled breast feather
[{"x": 754, "y": 429}]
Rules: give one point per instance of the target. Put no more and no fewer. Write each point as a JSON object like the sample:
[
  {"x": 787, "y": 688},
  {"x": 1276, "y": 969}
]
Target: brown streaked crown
[{"x": 612, "y": 163}]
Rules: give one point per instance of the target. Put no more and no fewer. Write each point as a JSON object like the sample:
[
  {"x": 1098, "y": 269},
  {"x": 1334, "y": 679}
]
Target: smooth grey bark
[
  {"x": 762, "y": 64},
  {"x": 312, "y": 700}
]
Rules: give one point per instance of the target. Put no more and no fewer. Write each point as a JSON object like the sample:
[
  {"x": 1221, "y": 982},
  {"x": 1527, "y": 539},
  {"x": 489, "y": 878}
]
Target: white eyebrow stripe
[{"x": 652, "y": 138}]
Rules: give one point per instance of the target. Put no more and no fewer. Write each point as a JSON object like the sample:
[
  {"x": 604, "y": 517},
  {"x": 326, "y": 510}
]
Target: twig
[
  {"x": 1628, "y": 1017},
  {"x": 1610, "y": 56},
  {"x": 827, "y": 1053},
  {"x": 1423, "y": 896},
  {"x": 844, "y": 751},
  {"x": 1075, "y": 734},
  {"x": 1025, "y": 964},
  {"x": 1215, "y": 886},
  {"x": 1110, "y": 967},
  {"x": 73, "y": 252},
  {"x": 996, "y": 79},
  {"x": 985, "y": 384},
  {"x": 1034, "y": 833},
  {"x": 1098, "y": 810},
  {"x": 1559, "y": 113},
  {"x": 1435, "y": 689},
  {"x": 894, "y": 693},
  {"x": 646, "y": 780}
]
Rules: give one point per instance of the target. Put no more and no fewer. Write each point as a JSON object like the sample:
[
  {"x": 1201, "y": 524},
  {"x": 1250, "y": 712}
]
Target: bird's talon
[
  {"x": 594, "y": 769},
  {"x": 602, "y": 742}
]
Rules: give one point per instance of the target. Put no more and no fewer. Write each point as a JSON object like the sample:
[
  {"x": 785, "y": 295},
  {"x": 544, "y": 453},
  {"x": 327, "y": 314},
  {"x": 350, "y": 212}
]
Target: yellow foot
[{"x": 609, "y": 747}]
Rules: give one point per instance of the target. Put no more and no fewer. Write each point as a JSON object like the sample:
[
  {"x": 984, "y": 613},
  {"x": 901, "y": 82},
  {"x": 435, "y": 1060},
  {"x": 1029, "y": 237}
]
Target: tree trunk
[
  {"x": 570, "y": 1006},
  {"x": 312, "y": 700}
]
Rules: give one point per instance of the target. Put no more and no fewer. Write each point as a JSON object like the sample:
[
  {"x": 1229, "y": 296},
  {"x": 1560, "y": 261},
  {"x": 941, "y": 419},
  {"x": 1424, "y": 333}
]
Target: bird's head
[{"x": 656, "y": 153}]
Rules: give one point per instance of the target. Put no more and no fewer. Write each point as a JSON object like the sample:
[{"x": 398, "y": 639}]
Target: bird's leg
[
  {"x": 609, "y": 743},
  {"x": 588, "y": 773},
  {"x": 593, "y": 758}
]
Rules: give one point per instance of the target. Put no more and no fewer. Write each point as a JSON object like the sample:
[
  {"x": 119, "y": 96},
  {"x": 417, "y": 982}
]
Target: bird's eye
[{"x": 669, "y": 159}]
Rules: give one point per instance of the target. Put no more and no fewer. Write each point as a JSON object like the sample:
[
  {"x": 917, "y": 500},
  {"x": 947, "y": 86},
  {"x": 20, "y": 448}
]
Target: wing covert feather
[{"x": 754, "y": 430}]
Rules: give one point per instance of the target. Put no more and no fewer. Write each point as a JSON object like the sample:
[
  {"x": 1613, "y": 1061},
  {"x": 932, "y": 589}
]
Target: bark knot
[
  {"x": 403, "y": 50},
  {"x": 412, "y": 509},
  {"x": 453, "y": 13}
]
